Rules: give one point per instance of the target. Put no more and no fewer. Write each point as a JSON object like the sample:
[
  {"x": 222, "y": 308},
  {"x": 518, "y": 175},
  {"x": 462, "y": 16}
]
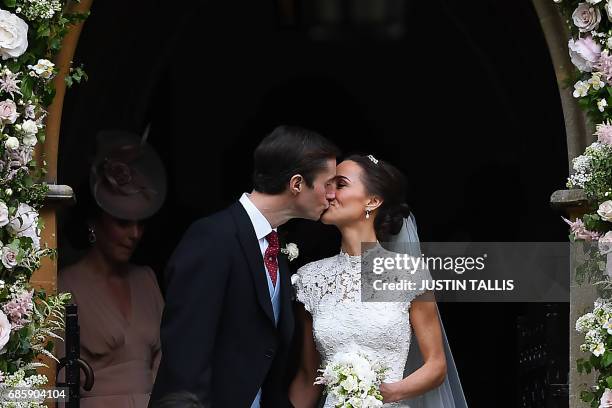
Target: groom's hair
[{"x": 287, "y": 151}]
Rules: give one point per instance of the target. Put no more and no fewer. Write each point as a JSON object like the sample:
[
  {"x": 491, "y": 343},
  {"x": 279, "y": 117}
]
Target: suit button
[{"x": 270, "y": 353}]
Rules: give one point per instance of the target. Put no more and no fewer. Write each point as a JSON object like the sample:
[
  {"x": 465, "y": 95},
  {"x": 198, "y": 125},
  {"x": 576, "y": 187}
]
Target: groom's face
[{"x": 313, "y": 201}]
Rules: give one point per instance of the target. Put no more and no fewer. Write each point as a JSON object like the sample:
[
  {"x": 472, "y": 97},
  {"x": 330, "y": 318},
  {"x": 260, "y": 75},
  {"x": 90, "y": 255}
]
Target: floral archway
[
  {"x": 579, "y": 35},
  {"x": 37, "y": 42}
]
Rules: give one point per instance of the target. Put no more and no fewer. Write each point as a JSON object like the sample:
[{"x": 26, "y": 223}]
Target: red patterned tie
[{"x": 271, "y": 255}]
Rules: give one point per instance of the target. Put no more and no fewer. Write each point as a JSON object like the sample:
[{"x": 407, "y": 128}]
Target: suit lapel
[
  {"x": 252, "y": 253},
  {"x": 286, "y": 321}
]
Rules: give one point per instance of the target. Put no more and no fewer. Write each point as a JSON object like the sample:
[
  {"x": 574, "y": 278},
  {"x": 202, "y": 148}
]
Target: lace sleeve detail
[{"x": 302, "y": 289}]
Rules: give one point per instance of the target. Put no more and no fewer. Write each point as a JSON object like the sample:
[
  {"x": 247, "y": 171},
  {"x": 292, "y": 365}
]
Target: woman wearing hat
[{"x": 119, "y": 303}]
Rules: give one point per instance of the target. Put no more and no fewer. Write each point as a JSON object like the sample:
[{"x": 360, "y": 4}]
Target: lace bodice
[{"x": 330, "y": 290}]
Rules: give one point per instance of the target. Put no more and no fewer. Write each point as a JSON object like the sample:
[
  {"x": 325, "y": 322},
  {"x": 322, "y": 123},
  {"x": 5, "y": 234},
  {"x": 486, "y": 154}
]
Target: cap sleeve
[{"x": 301, "y": 285}]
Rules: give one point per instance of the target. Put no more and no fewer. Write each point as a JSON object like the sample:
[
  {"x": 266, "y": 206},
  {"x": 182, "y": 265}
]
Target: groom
[{"x": 228, "y": 321}]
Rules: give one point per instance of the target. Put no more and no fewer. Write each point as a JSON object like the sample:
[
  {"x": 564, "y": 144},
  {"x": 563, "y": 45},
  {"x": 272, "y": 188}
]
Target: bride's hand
[{"x": 389, "y": 391}]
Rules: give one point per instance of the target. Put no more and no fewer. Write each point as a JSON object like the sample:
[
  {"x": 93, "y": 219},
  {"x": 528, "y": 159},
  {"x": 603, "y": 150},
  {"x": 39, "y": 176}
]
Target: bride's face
[{"x": 351, "y": 197}]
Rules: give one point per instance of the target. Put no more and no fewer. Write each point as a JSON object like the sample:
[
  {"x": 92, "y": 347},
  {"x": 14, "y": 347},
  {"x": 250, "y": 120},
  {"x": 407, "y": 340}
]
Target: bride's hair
[{"x": 386, "y": 181}]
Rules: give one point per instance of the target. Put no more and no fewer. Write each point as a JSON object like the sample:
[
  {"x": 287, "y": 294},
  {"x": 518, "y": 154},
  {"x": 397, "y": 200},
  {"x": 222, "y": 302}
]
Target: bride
[{"x": 369, "y": 207}]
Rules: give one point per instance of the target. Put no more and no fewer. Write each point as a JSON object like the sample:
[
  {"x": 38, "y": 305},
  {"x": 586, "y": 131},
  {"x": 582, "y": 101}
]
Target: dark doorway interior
[{"x": 460, "y": 95}]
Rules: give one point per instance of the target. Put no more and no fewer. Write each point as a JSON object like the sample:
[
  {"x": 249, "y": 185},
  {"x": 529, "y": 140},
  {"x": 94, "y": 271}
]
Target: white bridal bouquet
[{"x": 353, "y": 380}]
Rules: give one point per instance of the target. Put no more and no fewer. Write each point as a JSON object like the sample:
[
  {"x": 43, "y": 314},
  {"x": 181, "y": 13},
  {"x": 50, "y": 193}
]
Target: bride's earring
[{"x": 368, "y": 211}]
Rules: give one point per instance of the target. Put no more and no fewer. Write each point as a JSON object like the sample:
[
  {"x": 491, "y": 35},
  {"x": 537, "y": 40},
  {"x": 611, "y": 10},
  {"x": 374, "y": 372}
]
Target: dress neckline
[{"x": 358, "y": 257}]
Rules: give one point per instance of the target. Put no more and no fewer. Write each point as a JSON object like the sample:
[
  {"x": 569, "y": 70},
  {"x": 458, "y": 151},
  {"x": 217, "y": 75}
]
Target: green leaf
[
  {"x": 587, "y": 396},
  {"x": 10, "y": 3},
  {"x": 43, "y": 31},
  {"x": 27, "y": 84},
  {"x": 607, "y": 359}
]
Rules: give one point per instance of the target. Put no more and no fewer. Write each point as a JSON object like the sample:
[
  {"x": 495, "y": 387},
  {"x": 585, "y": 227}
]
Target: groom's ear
[{"x": 296, "y": 184}]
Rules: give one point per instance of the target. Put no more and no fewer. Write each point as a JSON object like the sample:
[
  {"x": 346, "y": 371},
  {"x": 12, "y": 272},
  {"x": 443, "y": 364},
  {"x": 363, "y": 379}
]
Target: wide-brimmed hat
[{"x": 127, "y": 177}]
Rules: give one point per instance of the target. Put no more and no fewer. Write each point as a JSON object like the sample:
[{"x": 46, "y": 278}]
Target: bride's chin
[{"x": 327, "y": 219}]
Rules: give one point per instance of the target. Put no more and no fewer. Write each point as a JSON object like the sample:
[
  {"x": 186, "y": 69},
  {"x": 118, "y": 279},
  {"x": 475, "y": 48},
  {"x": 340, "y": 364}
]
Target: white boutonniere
[{"x": 291, "y": 250}]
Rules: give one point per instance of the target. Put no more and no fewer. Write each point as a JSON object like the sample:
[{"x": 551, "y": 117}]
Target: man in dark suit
[{"x": 228, "y": 320}]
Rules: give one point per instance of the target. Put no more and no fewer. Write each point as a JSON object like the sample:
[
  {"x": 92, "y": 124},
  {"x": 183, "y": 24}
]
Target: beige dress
[{"x": 124, "y": 353}]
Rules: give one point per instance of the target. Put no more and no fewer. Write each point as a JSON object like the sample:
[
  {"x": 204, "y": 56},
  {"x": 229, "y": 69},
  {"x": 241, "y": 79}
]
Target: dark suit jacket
[{"x": 219, "y": 340}]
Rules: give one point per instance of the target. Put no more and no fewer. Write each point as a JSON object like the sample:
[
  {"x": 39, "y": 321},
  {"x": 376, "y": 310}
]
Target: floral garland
[
  {"x": 32, "y": 33},
  {"x": 590, "y": 50}
]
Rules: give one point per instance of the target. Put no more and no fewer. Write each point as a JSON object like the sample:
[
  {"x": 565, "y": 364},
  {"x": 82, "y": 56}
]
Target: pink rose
[
  {"x": 584, "y": 53},
  {"x": 8, "y": 111},
  {"x": 586, "y": 17},
  {"x": 9, "y": 257},
  {"x": 606, "y": 399}
]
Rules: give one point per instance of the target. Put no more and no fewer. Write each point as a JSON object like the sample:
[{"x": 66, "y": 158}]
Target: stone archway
[{"x": 46, "y": 276}]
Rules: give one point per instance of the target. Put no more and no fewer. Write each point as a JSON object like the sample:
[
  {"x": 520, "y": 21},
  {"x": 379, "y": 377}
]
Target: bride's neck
[{"x": 354, "y": 235}]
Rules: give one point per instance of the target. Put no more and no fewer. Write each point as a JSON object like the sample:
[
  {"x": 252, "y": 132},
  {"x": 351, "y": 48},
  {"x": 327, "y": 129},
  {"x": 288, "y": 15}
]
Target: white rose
[
  {"x": 13, "y": 35},
  {"x": 605, "y": 211},
  {"x": 9, "y": 257},
  {"x": 29, "y": 127},
  {"x": 4, "y": 214},
  {"x": 605, "y": 243},
  {"x": 12, "y": 143},
  {"x": 291, "y": 250},
  {"x": 350, "y": 383},
  {"x": 30, "y": 140},
  {"x": 8, "y": 192},
  {"x": 593, "y": 1},
  {"x": 586, "y": 17},
  {"x": 25, "y": 224},
  {"x": 5, "y": 330}
]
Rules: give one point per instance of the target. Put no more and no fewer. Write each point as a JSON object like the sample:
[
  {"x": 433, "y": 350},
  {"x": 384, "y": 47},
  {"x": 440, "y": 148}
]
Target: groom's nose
[{"x": 330, "y": 193}]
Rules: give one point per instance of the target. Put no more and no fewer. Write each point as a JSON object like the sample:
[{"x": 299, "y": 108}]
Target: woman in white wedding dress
[{"x": 368, "y": 207}]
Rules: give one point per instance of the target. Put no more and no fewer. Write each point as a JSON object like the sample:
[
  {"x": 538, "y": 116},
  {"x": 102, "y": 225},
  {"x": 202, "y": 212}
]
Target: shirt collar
[{"x": 260, "y": 223}]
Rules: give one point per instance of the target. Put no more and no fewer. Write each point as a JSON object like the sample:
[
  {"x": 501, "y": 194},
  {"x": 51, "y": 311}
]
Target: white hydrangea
[
  {"x": 585, "y": 323},
  {"x": 39, "y": 9},
  {"x": 598, "y": 327},
  {"x": 582, "y": 167}
]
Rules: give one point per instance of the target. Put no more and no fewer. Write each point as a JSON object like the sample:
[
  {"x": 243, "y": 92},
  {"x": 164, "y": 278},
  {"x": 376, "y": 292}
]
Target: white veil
[{"x": 450, "y": 393}]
